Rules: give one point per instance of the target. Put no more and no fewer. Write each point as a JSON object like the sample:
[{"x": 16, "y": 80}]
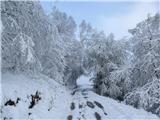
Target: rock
[{"x": 10, "y": 102}]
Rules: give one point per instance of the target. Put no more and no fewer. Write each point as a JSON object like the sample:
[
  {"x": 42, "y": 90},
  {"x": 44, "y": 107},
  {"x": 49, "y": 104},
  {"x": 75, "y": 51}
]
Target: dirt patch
[{"x": 10, "y": 102}]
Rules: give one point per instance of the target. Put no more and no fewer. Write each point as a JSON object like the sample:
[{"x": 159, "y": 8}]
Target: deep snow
[{"x": 56, "y": 102}]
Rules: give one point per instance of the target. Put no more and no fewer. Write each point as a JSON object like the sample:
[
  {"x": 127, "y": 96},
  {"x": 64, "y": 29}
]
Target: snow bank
[
  {"x": 51, "y": 94},
  {"x": 38, "y": 97}
]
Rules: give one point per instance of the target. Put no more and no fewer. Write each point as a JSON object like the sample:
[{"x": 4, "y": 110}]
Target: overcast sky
[{"x": 115, "y": 17}]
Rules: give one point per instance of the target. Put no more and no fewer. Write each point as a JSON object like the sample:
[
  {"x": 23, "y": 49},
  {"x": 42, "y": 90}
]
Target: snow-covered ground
[
  {"x": 84, "y": 80},
  {"x": 39, "y": 97}
]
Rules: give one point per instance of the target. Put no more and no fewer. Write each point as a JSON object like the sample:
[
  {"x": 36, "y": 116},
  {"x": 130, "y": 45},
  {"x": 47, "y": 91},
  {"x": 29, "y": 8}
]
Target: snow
[
  {"x": 14, "y": 86},
  {"x": 58, "y": 99},
  {"x": 84, "y": 80},
  {"x": 146, "y": 96},
  {"x": 30, "y": 57},
  {"x": 22, "y": 42}
]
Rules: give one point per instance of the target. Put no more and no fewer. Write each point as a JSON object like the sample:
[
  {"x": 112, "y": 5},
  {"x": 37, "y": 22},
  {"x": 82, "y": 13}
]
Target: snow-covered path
[
  {"x": 54, "y": 101},
  {"x": 88, "y": 105}
]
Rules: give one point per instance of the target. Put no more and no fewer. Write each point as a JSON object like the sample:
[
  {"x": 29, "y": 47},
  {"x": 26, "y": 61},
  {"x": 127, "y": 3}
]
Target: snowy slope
[
  {"x": 53, "y": 101},
  {"x": 19, "y": 86}
]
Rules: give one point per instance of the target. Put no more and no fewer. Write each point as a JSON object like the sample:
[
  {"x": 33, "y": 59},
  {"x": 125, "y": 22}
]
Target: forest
[{"x": 126, "y": 70}]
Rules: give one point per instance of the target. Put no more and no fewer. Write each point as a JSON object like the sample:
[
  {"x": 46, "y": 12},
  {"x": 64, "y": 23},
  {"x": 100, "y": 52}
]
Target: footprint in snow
[
  {"x": 85, "y": 97},
  {"x": 80, "y": 106},
  {"x": 69, "y": 117},
  {"x": 97, "y": 115},
  {"x": 100, "y": 106},
  {"x": 90, "y": 104},
  {"x": 72, "y": 106}
]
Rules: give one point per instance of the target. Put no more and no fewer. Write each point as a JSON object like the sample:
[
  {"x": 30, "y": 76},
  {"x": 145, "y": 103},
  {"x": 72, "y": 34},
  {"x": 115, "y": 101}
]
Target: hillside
[{"x": 39, "y": 97}]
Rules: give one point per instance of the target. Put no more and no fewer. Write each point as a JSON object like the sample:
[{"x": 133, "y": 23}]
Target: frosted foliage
[
  {"x": 25, "y": 45},
  {"x": 86, "y": 34},
  {"x": 146, "y": 49},
  {"x": 147, "y": 97},
  {"x": 23, "y": 55},
  {"x": 37, "y": 41},
  {"x": 40, "y": 39},
  {"x": 17, "y": 40},
  {"x": 145, "y": 72},
  {"x": 69, "y": 46},
  {"x": 104, "y": 56},
  {"x": 65, "y": 24}
]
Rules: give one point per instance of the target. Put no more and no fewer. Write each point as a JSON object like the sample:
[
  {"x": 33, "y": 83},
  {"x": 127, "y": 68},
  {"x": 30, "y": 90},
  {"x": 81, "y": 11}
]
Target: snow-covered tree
[
  {"x": 146, "y": 50},
  {"x": 65, "y": 24},
  {"x": 23, "y": 55},
  {"x": 146, "y": 97},
  {"x": 111, "y": 76},
  {"x": 74, "y": 59},
  {"x": 17, "y": 47},
  {"x": 104, "y": 56},
  {"x": 85, "y": 34},
  {"x": 27, "y": 20},
  {"x": 70, "y": 46},
  {"x": 145, "y": 74}
]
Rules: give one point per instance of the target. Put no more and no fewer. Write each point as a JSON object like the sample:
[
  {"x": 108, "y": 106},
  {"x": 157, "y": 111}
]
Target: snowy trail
[
  {"x": 111, "y": 108},
  {"x": 54, "y": 101},
  {"x": 90, "y": 106},
  {"x": 84, "y": 106}
]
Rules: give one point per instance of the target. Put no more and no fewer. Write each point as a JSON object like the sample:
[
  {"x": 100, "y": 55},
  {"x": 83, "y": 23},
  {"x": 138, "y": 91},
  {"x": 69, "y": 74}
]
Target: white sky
[
  {"x": 119, "y": 24},
  {"x": 116, "y": 16}
]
